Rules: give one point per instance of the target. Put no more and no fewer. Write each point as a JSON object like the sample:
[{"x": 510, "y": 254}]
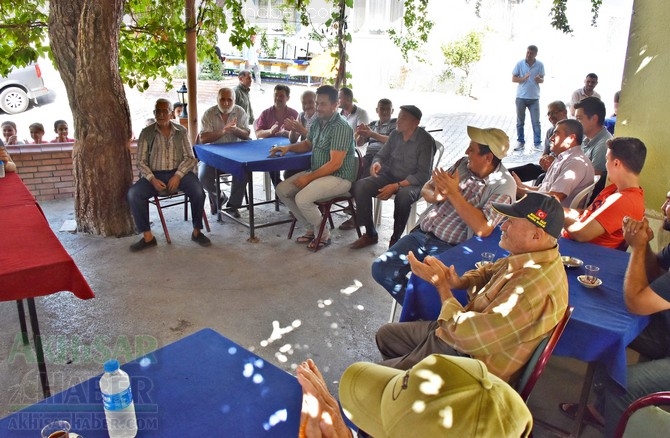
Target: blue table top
[
  {"x": 600, "y": 328},
  {"x": 202, "y": 385},
  {"x": 250, "y": 156}
]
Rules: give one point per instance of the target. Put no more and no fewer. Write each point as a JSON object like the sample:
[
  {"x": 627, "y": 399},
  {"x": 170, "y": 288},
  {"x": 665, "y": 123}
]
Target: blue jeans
[
  {"x": 533, "y": 106},
  {"x": 143, "y": 190},
  {"x": 391, "y": 268}
]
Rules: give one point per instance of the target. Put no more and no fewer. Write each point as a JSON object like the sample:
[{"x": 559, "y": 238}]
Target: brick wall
[{"x": 46, "y": 169}]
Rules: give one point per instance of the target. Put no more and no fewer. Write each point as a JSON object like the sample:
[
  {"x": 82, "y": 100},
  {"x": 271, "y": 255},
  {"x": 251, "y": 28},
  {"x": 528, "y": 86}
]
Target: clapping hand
[
  {"x": 637, "y": 233},
  {"x": 445, "y": 183}
]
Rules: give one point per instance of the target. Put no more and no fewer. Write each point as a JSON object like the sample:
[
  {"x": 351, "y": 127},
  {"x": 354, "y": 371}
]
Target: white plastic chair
[{"x": 580, "y": 200}]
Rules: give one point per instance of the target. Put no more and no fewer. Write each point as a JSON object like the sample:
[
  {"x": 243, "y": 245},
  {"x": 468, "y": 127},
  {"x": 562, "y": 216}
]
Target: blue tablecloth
[
  {"x": 201, "y": 386},
  {"x": 600, "y": 328},
  {"x": 250, "y": 156}
]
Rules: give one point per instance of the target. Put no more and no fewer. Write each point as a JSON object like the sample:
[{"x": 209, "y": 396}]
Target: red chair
[
  {"x": 178, "y": 198},
  {"x": 333, "y": 205},
  {"x": 643, "y": 418},
  {"x": 540, "y": 357}
]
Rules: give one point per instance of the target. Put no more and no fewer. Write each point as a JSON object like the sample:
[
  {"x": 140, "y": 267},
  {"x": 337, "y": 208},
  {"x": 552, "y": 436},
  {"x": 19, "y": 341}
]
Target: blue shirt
[{"x": 528, "y": 89}]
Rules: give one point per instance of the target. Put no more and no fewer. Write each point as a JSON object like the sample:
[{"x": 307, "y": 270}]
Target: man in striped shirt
[
  {"x": 165, "y": 160},
  {"x": 513, "y": 303},
  {"x": 333, "y": 166},
  {"x": 462, "y": 196}
]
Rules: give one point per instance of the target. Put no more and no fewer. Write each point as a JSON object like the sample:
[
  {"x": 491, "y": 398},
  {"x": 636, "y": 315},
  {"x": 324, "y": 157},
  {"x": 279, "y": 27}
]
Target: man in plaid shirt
[
  {"x": 512, "y": 304},
  {"x": 462, "y": 196}
]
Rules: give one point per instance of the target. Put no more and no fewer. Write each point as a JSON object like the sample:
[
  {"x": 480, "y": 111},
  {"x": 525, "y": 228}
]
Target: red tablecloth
[
  {"x": 32, "y": 260},
  {"x": 14, "y": 192}
]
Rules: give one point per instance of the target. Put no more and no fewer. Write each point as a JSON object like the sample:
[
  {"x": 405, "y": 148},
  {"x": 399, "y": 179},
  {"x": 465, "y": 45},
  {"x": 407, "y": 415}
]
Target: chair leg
[
  {"x": 353, "y": 216},
  {"x": 394, "y": 308},
  {"x": 206, "y": 221},
  {"x": 411, "y": 222},
  {"x": 378, "y": 211},
  {"x": 324, "y": 218},
  {"x": 185, "y": 207},
  {"x": 292, "y": 228},
  {"x": 157, "y": 203}
]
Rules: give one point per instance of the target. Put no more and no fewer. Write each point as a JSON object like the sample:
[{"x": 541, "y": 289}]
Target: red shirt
[{"x": 609, "y": 208}]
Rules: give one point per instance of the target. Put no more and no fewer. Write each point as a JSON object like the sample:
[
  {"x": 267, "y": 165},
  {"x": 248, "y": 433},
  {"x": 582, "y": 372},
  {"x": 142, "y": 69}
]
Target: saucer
[
  {"x": 582, "y": 280},
  {"x": 571, "y": 262},
  {"x": 479, "y": 264}
]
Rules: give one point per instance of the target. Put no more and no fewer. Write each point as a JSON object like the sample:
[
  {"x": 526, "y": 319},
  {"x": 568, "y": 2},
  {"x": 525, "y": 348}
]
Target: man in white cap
[
  {"x": 513, "y": 303},
  {"x": 400, "y": 168},
  {"x": 462, "y": 196},
  {"x": 440, "y": 396}
]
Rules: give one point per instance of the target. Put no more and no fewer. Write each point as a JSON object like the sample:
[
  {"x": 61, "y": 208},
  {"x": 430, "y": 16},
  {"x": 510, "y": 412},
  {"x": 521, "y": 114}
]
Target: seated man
[
  {"x": 165, "y": 160},
  {"x": 459, "y": 385},
  {"x": 646, "y": 292},
  {"x": 601, "y": 222},
  {"x": 556, "y": 111},
  {"x": 462, "y": 197},
  {"x": 590, "y": 112},
  {"x": 571, "y": 171},
  {"x": 225, "y": 122},
  {"x": 500, "y": 325},
  {"x": 352, "y": 113},
  {"x": 300, "y": 128},
  {"x": 333, "y": 166},
  {"x": 401, "y": 168}
]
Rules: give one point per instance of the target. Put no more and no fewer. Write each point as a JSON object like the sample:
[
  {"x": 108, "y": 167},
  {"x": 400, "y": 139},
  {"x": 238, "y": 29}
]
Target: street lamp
[{"x": 182, "y": 98}]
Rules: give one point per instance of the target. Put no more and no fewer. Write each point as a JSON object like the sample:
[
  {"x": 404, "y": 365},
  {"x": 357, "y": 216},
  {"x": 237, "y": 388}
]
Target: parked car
[{"x": 21, "y": 85}]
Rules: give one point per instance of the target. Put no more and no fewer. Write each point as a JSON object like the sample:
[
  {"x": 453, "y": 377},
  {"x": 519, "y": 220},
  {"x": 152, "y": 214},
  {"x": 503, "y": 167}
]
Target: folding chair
[
  {"x": 537, "y": 362},
  {"x": 643, "y": 418},
  {"x": 582, "y": 198},
  {"x": 333, "y": 205},
  {"x": 174, "y": 199}
]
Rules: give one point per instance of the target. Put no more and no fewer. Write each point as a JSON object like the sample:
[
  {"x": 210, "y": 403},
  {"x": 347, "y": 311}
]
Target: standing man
[
  {"x": 351, "y": 113},
  {"x": 250, "y": 55},
  {"x": 462, "y": 195},
  {"x": 401, "y": 168},
  {"x": 242, "y": 94},
  {"x": 529, "y": 74},
  {"x": 571, "y": 171},
  {"x": 225, "y": 122},
  {"x": 587, "y": 91},
  {"x": 513, "y": 303},
  {"x": 272, "y": 121},
  {"x": 165, "y": 160},
  {"x": 590, "y": 112},
  {"x": 333, "y": 166}
]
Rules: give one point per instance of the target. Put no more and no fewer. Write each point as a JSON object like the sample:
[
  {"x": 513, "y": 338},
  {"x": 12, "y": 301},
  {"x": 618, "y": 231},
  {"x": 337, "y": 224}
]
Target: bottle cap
[{"x": 111, "y": 365}]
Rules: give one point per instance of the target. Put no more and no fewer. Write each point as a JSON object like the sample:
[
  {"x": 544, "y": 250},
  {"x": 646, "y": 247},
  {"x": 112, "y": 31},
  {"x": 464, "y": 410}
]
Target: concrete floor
[{"x": 273, "y": 297}]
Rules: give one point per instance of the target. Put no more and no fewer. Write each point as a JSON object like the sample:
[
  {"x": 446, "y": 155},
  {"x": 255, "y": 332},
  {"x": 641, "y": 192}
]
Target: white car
[{"x": 21, "y": 85}]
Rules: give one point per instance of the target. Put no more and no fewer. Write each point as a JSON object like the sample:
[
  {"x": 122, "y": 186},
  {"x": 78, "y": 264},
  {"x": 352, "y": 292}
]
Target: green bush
[
  {"x": 462, "y": 54},
  {"x": 211, "y": 70}
]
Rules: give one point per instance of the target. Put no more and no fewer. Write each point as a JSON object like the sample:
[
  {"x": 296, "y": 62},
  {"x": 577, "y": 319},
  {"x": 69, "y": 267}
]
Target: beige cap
[
  {"x": 441, "y": 395},
  {"x": 494, "y": 138}
]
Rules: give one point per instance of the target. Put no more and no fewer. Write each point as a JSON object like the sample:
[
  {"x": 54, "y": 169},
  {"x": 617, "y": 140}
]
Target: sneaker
[
  {"x": 142, "y": 244},
  {"x": 519, "y": 147},
  {"x": 201, "y": 239},
  {"x": 539, "y": 147},
  {"x": 234, "y": 212}
]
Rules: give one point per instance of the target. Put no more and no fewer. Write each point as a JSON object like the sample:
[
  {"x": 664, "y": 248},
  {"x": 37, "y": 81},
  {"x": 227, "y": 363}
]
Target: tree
[
  {"x": 97, "y": 46},
  {"x": 462, "y": 54}
]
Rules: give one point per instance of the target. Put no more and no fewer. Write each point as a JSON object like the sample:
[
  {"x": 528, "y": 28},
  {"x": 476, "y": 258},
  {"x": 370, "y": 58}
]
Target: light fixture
[{"x": 182, "y": 92}]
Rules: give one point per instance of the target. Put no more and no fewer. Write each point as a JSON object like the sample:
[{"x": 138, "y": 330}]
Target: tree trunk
[
  {"x": 341, "y": 79},
  {"x": 84, "y": 38}
]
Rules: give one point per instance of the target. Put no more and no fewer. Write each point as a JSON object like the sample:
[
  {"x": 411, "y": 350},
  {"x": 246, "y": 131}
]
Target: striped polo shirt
[{"x": 334, "y": 134}]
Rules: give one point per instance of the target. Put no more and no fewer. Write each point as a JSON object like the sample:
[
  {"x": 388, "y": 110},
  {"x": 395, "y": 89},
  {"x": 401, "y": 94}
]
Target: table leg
[
  {"x": 39, "y": 352},
  {"x": 267, "y": 185},
  {"x": 22, "y": 321},
  {"x": 250, "y": 207},
  {"x": 584, "y": 399},
  {"x": 219, "y": 217}
]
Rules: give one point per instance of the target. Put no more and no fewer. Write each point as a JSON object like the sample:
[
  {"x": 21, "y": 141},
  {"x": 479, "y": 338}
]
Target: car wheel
[{"x": 14, "y": 100}]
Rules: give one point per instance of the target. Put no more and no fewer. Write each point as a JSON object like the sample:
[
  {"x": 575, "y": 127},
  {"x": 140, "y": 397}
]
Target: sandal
[
  {"x": 306, "y": 238},
  {"x": 591, "y": 416},
  {"x": 318, "y": 245}
]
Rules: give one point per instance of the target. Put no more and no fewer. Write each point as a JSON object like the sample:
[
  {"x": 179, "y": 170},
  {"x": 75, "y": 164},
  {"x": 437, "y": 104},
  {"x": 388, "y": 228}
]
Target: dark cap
[
  {"x": 541, "y": 210},
  {"x": 177, "y": 105},
  {"x": 416, "y": 112}
]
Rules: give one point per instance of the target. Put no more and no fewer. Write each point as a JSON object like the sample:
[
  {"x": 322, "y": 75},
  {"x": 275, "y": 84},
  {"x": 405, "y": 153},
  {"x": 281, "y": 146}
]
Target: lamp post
[{"x": 183, "y": 117}]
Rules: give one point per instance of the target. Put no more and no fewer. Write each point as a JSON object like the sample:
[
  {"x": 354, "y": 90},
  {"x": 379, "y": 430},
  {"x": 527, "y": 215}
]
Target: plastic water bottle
[
  {"x": 118, "y": 401},
  {"x": 2, "y": 169}
]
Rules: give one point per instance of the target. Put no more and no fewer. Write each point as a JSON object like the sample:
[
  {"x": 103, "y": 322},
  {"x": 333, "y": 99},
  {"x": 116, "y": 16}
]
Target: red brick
[
  {"x": 48, "y": 191},
  {"x": 63, "y": 190},
  {"x": 43, "y": 174},
  {"x": 63, "y": 173},
  {"x": 69, "y": 177}
]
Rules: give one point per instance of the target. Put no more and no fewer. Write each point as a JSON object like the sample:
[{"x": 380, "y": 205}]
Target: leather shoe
[
  {"x": 234, "y": 212},
  {"x": 143, "y": 244},
  {"x": 201, "y": 239},
  {"x": 393, "y": 241},
  {"x": 363, "y": 241},
  {"x": 349, "y": 224}
]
